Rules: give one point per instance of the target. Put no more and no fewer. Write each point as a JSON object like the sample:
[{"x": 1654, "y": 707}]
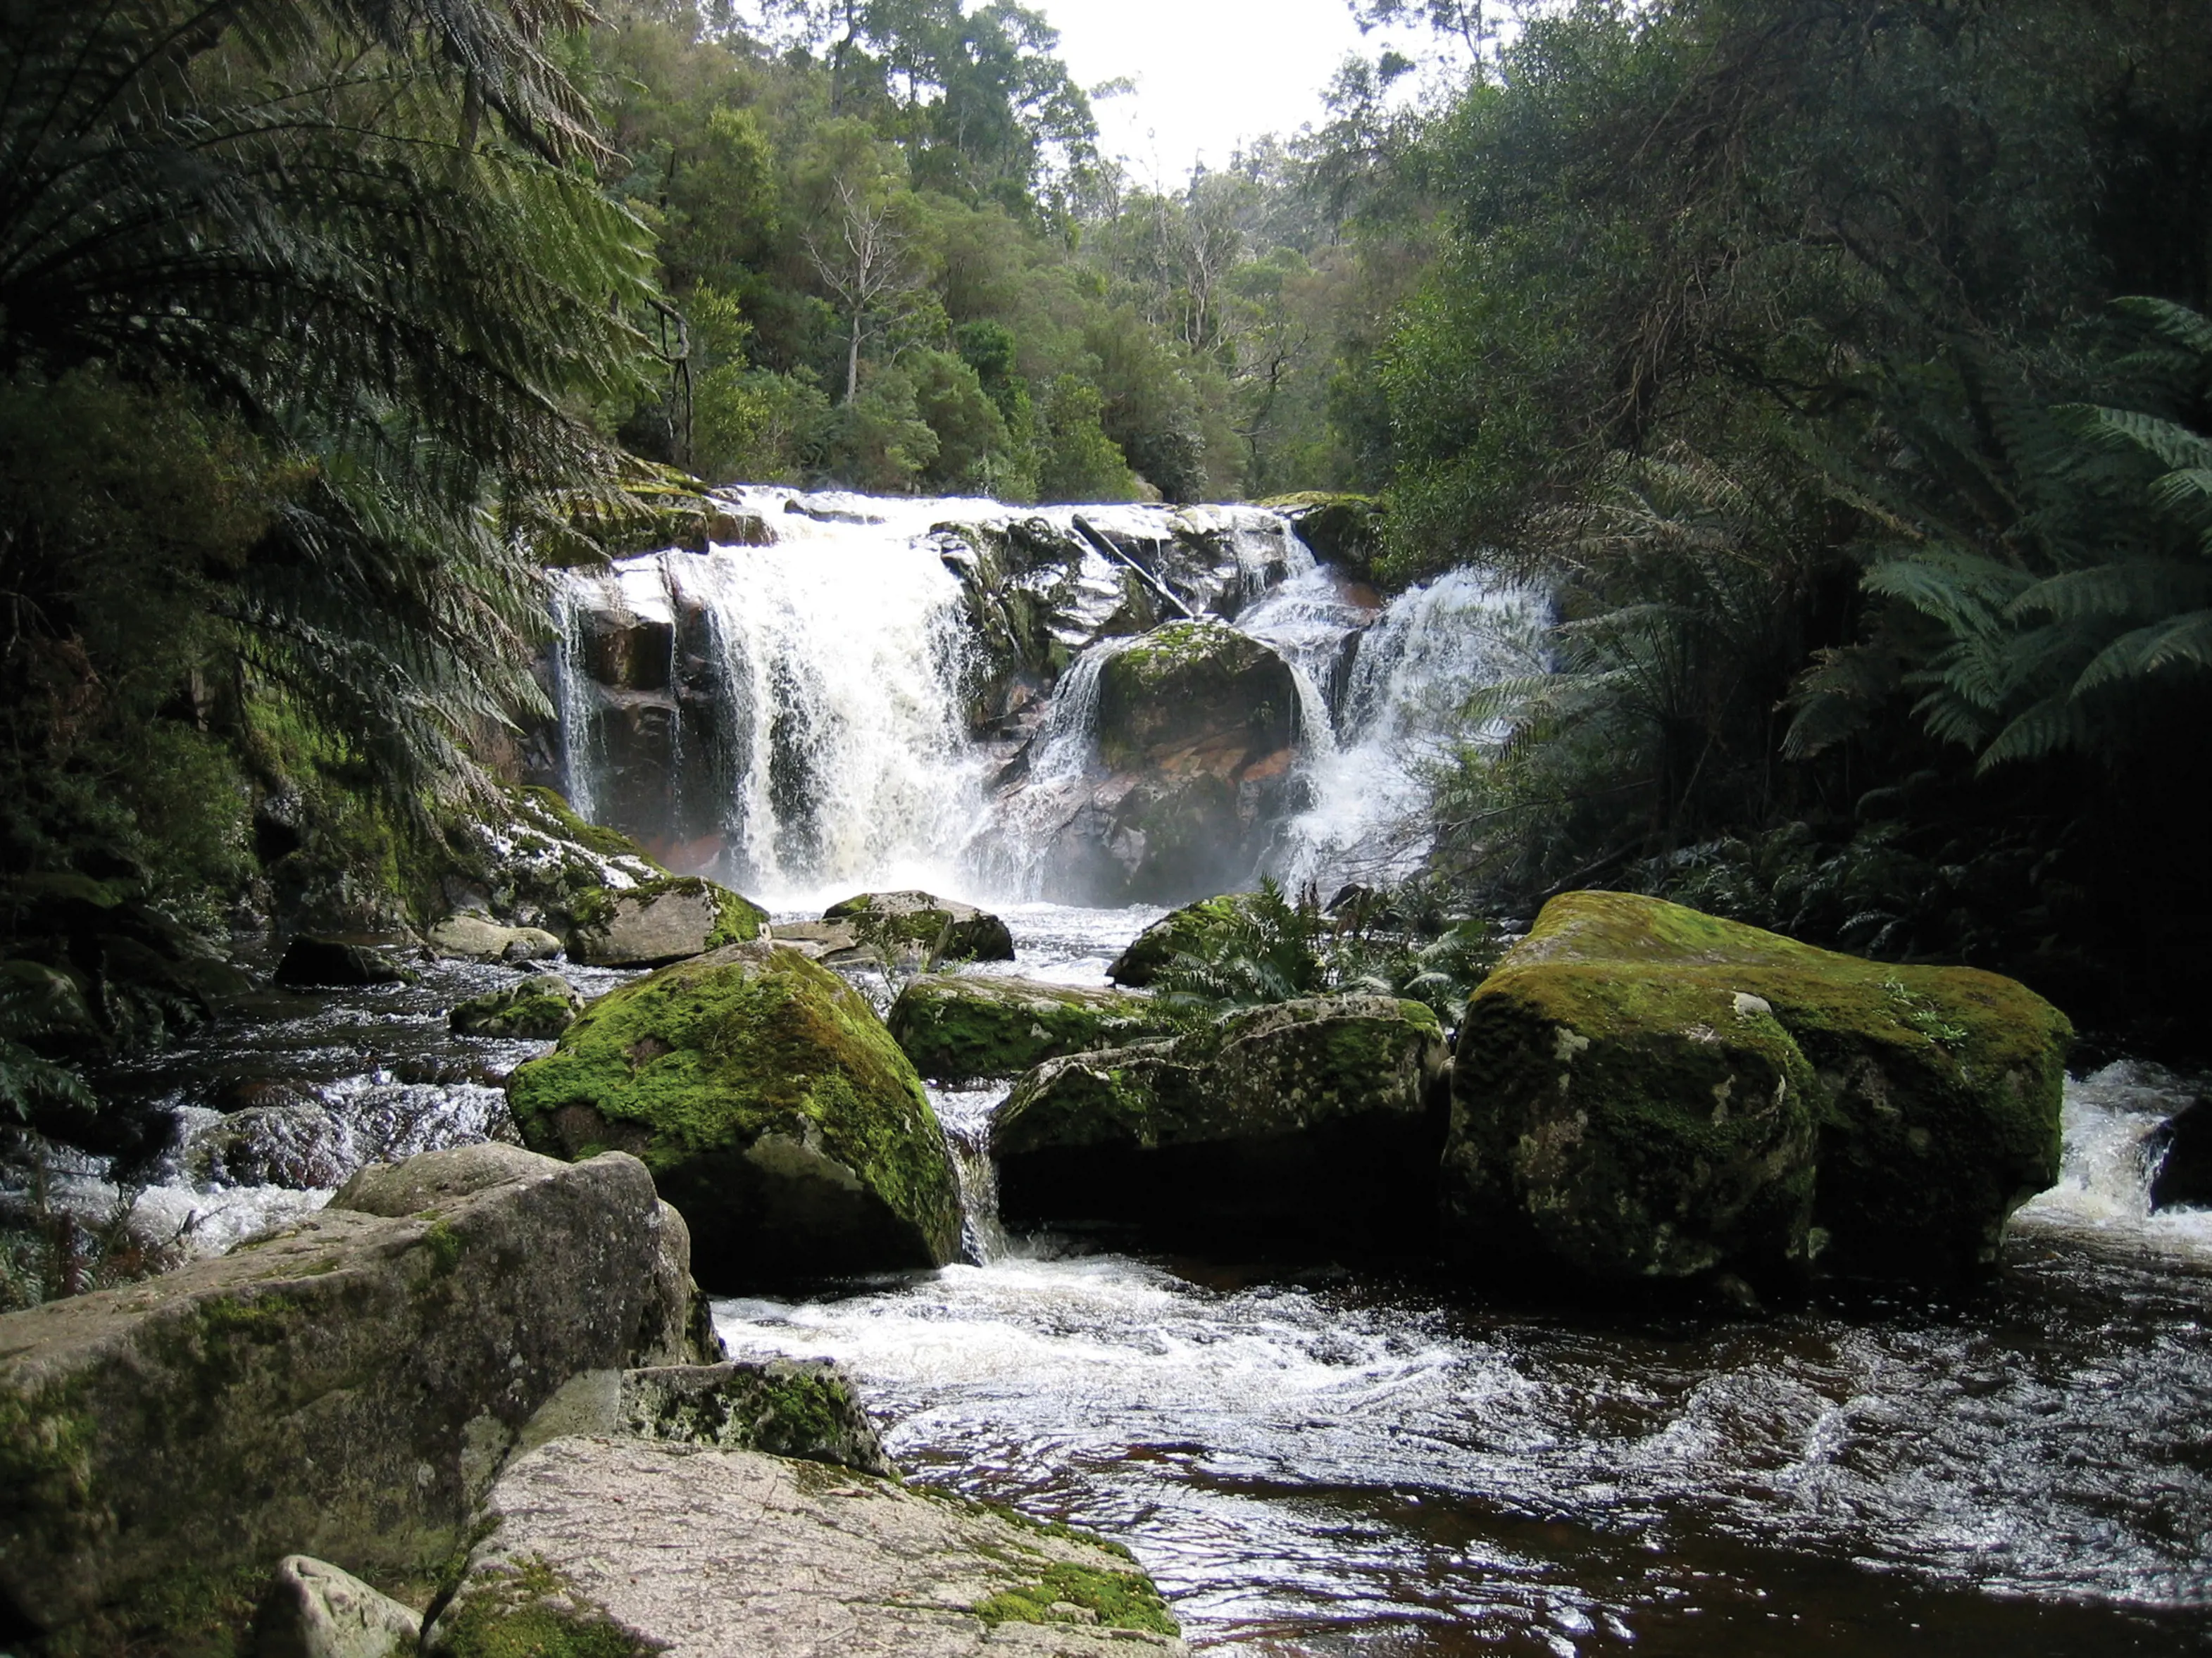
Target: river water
[{"x": 1317, "y": 1461}]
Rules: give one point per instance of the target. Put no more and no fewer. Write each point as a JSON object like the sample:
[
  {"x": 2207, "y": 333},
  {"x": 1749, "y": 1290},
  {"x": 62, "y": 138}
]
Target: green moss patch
[
  {"x": 530, "y": 1612},
  {"x": 960, "y": 1029},
  {"x": 1066, "y": 1592}
]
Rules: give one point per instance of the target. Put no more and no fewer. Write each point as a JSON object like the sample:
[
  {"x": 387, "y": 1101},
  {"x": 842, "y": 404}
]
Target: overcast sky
[{"x": 1208, "y": 72}]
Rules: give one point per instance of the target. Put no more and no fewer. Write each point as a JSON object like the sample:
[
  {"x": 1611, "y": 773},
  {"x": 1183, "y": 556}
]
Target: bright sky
[{"x": 1208, "y": 72}]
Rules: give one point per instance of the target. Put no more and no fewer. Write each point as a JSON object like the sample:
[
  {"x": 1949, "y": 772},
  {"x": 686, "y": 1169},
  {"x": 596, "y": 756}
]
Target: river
[{"x": 1314, "y": 1459}]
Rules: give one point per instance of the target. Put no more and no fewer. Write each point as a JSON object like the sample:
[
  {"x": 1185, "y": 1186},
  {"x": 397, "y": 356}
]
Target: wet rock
[
  {"x": 344, "y": 1387},
  {"x": 807, "y": 1409},
  {"x": 301, "y": 1146},
  {"x": 533, "y": 862},
  {"x": 1197, "y": 730},
  {"x": 921, "y": 925},
  {"x": 956, "y": 1028},
  {"x": 479, "y": 938},
  {"x": 2183, "y": 1149},
  {"x": 542, "y": 1006},
  {"x": 660, "y": 921},
  {"x": 614, "y": 1545},
  {"x": 317, "y": 963},
  {"x": 1313, "y": 1120},
  {"x": 1343, "y": 531},
  {"x": 772, "y": 1106},
  {"x": 1644, "y": 1094},
  {"x": 312, "y": 1610}
]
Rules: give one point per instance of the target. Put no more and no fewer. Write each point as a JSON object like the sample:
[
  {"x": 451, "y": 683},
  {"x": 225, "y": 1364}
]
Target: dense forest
[{"x": 1842, "y": 371}]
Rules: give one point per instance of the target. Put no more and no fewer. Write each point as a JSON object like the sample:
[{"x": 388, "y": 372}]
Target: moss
[
  {"x": 526, "y": 1009},
  {"x": 959, "y": 1029},
  {"x": 445, "y": 1246},
  {"x": 530, "y": 1612},
  {"x": 1013, "y": 1516},
  {"x": 45, "y": 1465},
  {"x": 593, "y": 837},
  {"x": 707, "y": 1056},
  {"x": 1935, "y": 1091},
  {"x": 1186, "y": 931},
  {"x": 1116, "y": 1600},
  {"x": 186, "y": 1613}
]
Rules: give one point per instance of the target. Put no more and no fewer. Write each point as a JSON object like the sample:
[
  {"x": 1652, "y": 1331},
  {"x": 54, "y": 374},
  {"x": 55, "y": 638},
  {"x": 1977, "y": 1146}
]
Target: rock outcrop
[
  {"x": 541, "y": 1007},
  {"x": 344, "y": 1388},
  {"x": 1644, "y": 1093},
  {"x": 617, "y": 1547},
  {"x": 958, "y": 1029},
  {"x": 532, "y": 862},
  {"x": 1197, "y": 733},
  {"x": 1315, "y": 1121},
  {"x": 773, "y": 1107},
  {"x": 656, "y": 922},
  {"x": 919, "y": 925}
]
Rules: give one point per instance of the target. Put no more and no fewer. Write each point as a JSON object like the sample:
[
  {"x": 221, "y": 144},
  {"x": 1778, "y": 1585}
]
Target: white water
[{"x": 840, "y": 756}]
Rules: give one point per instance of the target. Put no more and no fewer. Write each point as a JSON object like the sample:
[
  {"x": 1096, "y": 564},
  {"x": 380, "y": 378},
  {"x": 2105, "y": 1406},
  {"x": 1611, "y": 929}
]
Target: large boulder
[
  {"x": 530, "y": 862},
  {"x": 959, "y": 1029},
  {"x": 1197, "y": 729},
  {"x": 623, "y": 1547},
  {"x": 1644, "y": 1093},
  {"x": 1314, "y": 1121},
  {"x": 344, "y": 1388},
  {"x": 656, "y": 922},
  {"x": 311, "y": 963},
  {"x": 773, "y": 1107},
  {"x": 921, "y": 925}
]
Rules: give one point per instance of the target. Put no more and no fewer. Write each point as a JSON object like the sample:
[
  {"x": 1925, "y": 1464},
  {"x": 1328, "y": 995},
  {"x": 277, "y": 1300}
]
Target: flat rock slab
[{"x": 713, "y": 1553}]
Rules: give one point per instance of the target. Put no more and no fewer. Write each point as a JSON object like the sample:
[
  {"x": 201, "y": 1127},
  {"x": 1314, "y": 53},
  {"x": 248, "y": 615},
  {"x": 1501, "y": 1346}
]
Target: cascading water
[{"x": 1401, "y": 714}]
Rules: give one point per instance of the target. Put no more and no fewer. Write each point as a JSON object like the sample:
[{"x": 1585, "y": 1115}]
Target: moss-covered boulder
[
  {"x": 346, "y": 1386},
  {"x": 532, "y": 861},
  {"x": 1193, "y": 930},
  {"x": 773, "y": 1107},
  {"x": 658, "y": 921},
  {"x": 609, "y": 1547},
  {"x": 541, "y": 1007},
  {"x": 922, "y": 925},
  {"x": 958, "y": 1029},
  {"x": 1198, "y": 684},
  {"x": 1314, "y": 1121},
  {"x": 1644, "y": 1093},
  {"x": 1343, "y": 529}
]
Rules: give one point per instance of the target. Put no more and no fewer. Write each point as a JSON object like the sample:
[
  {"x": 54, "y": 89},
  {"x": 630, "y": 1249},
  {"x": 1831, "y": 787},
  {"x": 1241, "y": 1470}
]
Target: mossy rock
[
  {"x": 921, "y": 925},
  {"x": 1194, "y": 684},
  {"x": 774, "y": 1108},
  {"x": 656, "y": 922},
  {"x": 1343, "y": 529},
  {"x": 1311, "y": 1121},
  {"x": 541, "y": 1007},
  {"x": 958, "y": 1029},
  {"x": 1644, "y": 1092},
  {"x": 1190, "y": 930}
]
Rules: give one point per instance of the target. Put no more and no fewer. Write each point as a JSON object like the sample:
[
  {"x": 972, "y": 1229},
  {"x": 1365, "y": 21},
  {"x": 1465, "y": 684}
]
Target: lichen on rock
[{"x": 773, "y": 1107}]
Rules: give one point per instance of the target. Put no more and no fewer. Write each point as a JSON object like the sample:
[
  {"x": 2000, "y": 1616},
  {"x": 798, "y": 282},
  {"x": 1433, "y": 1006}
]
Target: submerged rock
[
  {"x": 301, "y": 1146},
  {"x": 773, "y": 1107},
  {"x": 344, "y": 1388},
  {"x": 312, "y": 1610},
  {"x": 1311, "y": 1120},
  {"x": 958, "y": 1028},
  {"x": 923, "y": 925},
  {"x": 616, "y": 1546},
  {"x": 542, "y": 1006},
  {"x": 1644, "y": 1093},
  {"x": 317, "y": 964},
  {"x": 656, "y": 922}
]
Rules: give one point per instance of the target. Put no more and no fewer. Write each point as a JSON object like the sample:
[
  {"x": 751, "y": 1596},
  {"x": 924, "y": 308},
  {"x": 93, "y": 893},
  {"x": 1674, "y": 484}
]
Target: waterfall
[{"x": 1400, "y": 716}]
